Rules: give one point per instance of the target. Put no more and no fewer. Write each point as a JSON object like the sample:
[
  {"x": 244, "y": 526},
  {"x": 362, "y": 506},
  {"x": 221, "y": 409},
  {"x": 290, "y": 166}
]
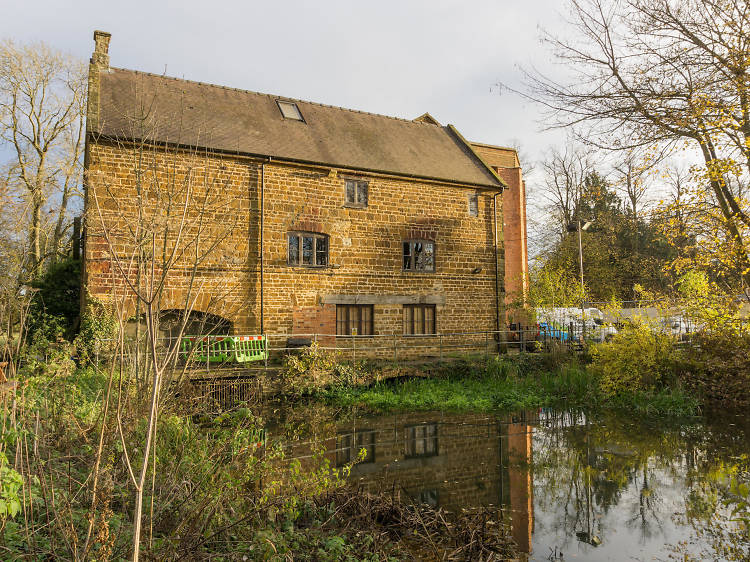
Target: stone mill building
[{"x": 293, "y": 217}]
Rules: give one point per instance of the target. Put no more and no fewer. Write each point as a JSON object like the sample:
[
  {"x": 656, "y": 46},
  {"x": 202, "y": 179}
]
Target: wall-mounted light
[{"x": 476, "y": 270}]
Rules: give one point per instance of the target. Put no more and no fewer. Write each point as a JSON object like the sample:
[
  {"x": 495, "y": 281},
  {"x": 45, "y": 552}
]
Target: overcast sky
[{"x": 395, "y": 58}]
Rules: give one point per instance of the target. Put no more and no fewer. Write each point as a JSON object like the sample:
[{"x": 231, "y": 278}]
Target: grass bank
[{"x": 505, "y": 383}]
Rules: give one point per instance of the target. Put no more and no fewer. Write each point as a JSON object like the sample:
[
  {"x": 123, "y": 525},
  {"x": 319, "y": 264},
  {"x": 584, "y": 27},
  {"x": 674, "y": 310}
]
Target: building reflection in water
[
  {"x": 597, "y": 489},
  {"x": 444, "y": 460}
]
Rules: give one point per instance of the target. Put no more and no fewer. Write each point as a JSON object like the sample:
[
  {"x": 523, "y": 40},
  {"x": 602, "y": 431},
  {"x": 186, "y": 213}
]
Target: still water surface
[{"x": 574, "y": 487}]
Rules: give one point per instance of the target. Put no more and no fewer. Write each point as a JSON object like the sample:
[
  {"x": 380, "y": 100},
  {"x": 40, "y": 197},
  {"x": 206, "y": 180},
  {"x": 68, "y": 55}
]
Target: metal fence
[{"x": 393, "y": 347}]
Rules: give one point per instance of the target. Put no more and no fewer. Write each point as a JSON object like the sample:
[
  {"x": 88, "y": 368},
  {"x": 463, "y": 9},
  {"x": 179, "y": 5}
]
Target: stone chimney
[
  {"x": 100, "y": 57},
  {"x": 99, "y": 63}
]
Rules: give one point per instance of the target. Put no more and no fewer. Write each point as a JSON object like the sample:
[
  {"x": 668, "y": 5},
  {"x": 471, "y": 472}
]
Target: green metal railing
[{"x": 225, "y": 349}]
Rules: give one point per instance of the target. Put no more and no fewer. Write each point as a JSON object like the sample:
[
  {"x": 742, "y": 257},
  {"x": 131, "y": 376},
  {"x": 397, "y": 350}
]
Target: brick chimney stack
[
  {"x": 100, "y": 57},
  {"x": 99, "y": 63}
]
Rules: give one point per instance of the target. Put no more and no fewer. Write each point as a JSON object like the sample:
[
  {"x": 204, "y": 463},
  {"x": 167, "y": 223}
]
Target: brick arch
[{"x": 198, "y": 323}]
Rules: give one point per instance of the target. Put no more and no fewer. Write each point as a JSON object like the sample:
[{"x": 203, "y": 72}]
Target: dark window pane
[
  {"x": 350, "y": 191},
  {"x": 344, "y": 449},
  {"x": 429, "y": 317},
  {"x": 366, "y": 440},
  {"x": 429, "y": 497},
  {"x": 354, "y": 320},
  {"x": 307, "y": 250},
  {"x": 407, "y": 255},
  {"x": 366, "y": 321},
  {"x": 293, "y": 249},
  {"x": 362, "y": 193},
  {"x": 321, "y": 251}
]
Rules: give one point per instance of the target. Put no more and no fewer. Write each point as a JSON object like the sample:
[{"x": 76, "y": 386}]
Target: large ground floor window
[
  {"x": 419, "y": 319},
  {"x": 354, "y": 319}
]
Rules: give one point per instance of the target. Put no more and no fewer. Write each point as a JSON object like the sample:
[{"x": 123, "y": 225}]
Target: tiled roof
[{"x": 239, "y": 121}]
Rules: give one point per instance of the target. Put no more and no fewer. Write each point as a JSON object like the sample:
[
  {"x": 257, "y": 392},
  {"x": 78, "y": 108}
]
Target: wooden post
[{"x": 571, "y": 335}]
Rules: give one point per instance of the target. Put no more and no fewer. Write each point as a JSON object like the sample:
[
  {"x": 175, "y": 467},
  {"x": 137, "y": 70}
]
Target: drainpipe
[
  {"x": 497, "y": 273},
  {"x": 262, "y": 220}
]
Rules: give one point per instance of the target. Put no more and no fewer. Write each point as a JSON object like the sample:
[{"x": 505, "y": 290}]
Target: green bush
[
  {"x": 637, "y": 359},
  {"x": 315, "y": 368},
  {"x": 98, "y": 333},
  {"x": 10, "y": 485},
  {"x": 56, "y": 304}
]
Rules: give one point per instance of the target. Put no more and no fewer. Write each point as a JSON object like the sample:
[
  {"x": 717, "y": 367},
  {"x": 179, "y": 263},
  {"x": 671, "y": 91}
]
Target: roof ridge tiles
[{"x": 273, "y": 96}]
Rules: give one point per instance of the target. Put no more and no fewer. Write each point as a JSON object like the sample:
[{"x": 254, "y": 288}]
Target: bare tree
[
  {"x": 164, "y": 224},
  {"x": 565, "y": 172},
  {"x": 42, "y": 101},
  {"x": 632, "y": 182},
  {"x": 664, "y": 73}
]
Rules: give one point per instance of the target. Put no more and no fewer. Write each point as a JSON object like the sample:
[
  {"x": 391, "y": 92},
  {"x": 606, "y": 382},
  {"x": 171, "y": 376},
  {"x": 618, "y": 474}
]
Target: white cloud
[{"x": 396, "y": 58}]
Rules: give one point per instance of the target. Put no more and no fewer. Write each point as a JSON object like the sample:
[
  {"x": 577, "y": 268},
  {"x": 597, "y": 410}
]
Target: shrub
[
  {"x": 56, "y": 304},
  {"x": 637, "y": 358},
  {"x": 718, "y": 368},
  {"x": 315, "y": 368},
  {"x": 98, "y": 331}
]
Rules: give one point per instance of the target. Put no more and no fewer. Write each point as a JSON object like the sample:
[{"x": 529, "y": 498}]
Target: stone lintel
[{"x": 438, "y": 299}]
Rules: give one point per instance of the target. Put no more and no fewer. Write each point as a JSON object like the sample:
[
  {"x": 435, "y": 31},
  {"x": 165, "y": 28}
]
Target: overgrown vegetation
[
  {"x": 215, "y": 488},
  {"x": 638, "y": 358},
  {"x": 528, "y": 381}
]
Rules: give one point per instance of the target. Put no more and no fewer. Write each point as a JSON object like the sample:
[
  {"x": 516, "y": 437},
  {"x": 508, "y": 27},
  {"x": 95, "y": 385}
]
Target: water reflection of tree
[
  {"x": 718, "y": 508},
  {"x": 584, "y": 469}
]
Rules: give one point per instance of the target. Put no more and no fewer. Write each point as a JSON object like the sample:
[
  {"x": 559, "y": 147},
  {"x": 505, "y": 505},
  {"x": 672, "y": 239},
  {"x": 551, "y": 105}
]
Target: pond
[{"x": 573, "y": 487}]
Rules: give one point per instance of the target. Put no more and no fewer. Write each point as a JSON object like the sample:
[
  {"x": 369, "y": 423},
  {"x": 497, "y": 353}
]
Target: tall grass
[{"x": 509, "y": 384}]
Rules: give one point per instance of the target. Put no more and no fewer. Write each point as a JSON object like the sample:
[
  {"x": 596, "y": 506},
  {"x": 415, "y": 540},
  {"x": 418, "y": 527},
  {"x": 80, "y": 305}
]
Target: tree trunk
[{"x": 35, "y": 249}]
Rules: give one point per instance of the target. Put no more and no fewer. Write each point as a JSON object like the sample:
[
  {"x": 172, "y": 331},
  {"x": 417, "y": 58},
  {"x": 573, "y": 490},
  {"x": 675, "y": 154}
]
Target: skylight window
[{"x": 290, "y": 110}]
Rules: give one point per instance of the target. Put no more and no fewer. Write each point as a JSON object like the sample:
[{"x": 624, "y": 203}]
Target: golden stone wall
[{"x": 222, "y": 225}]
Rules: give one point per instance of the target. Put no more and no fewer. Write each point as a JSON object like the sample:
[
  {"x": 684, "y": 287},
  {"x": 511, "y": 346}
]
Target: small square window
[
  {"x": 289, "y": 110},
  {"x": 356, "y": 193},
  {"x": 473, "y": 205}
]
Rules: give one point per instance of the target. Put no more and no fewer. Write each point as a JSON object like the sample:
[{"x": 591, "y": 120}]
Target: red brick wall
[{"x": 506, "y": 164}]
